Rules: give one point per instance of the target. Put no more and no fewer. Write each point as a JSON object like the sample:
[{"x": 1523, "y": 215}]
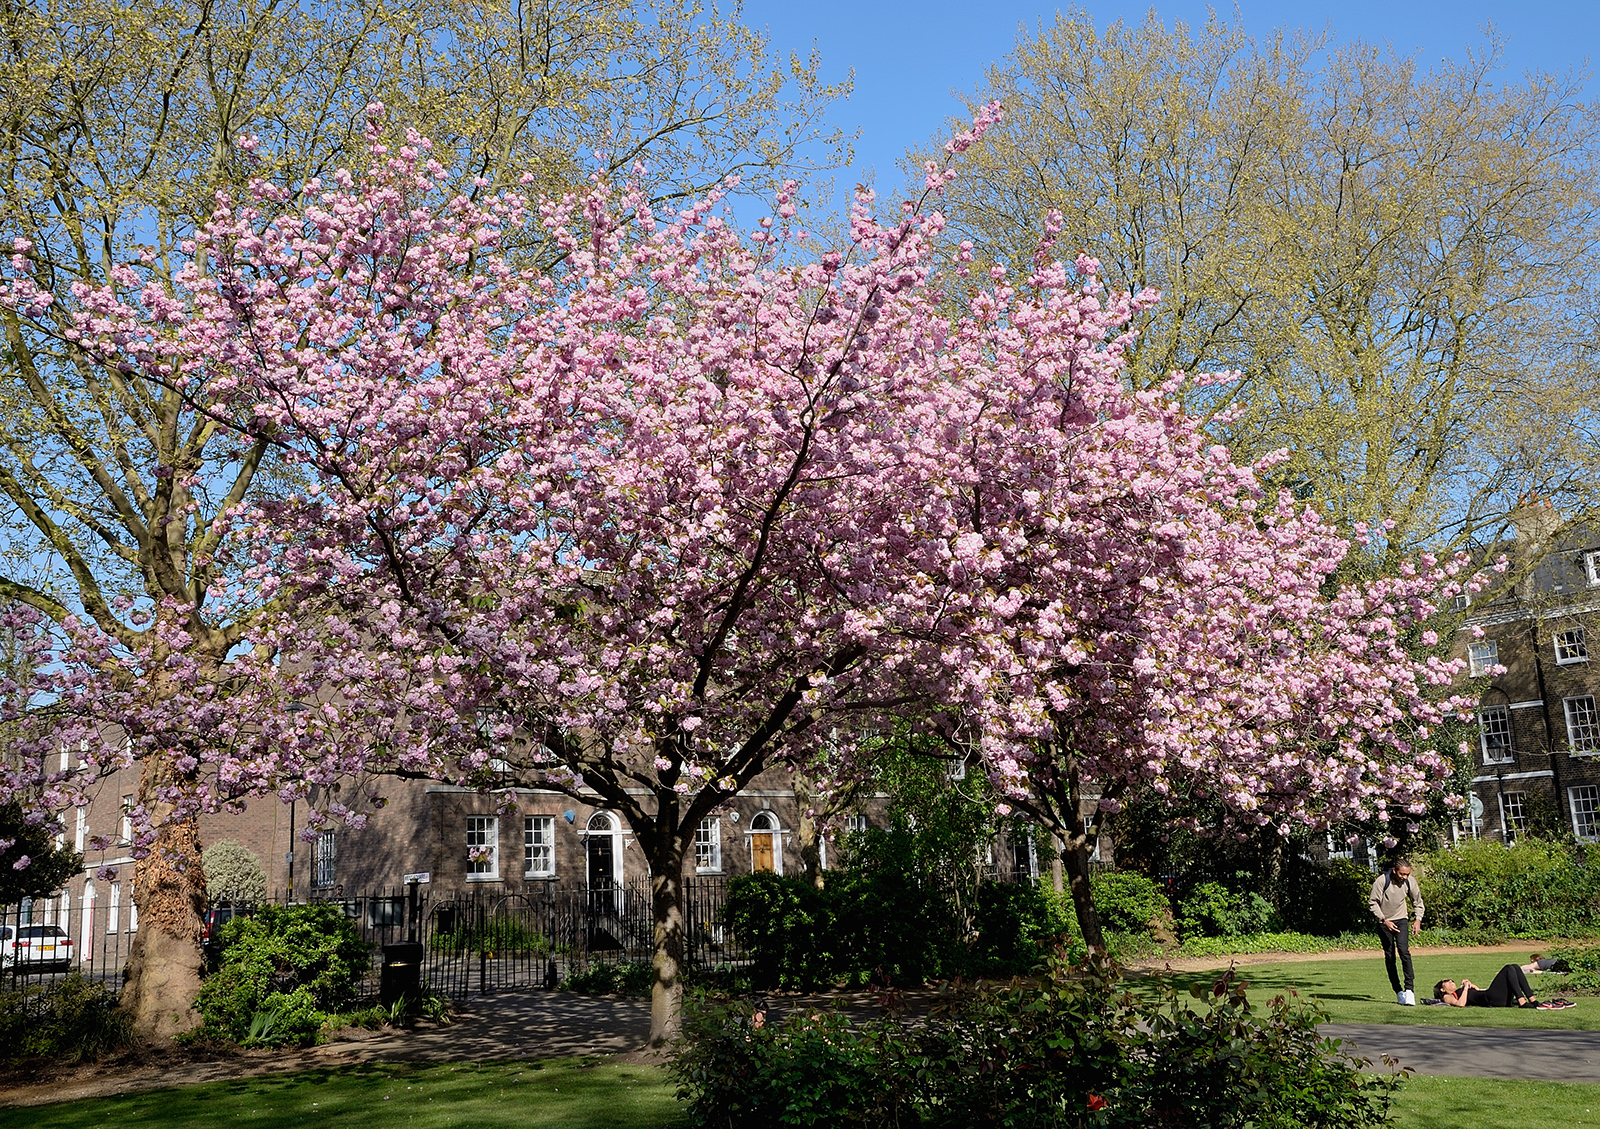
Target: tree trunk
[
  {"x": 165, "y": 963},
  {"x": 1075, "y": 860},
  {"x": 667, "y": 909}
]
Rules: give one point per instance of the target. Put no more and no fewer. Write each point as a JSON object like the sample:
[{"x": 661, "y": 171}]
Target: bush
[
  {"x": 630, "y": 978},
  {"x": 233, "y": 874},
  {"x": 1531, "y": 888},
  {"x": 1127, "y": 902},
  {"x": 1213, "y": 910},
  {"x": 1073, "y": 1050},
  {"x": 893, "y": 926},
  {"x": 282, "y": 971},
  {"x": 788, "y": 927},
  {"x": 71, "y": 1020},
  {"x": 1325, "y": 899},
  {"x": 1016, "y": 926}
]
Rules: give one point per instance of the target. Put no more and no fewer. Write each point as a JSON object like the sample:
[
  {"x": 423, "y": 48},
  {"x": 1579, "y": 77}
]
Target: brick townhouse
[{"x": 1537, "y": 761}]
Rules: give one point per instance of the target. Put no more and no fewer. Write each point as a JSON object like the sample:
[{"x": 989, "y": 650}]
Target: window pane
[
  {"x": 1481, "y": 657},
  {"x": 708, "y": 845},
  {"x": 1585, "y": 811},
  {"x": 1570, "y": 646},
  {"x": 1583, "y": 725},
  {"x": 539, "y": 849},
  {"x": 1513, "y": 812},
  {"x": 483, "y": 845},
  {"x": 1494, "y": 734}
]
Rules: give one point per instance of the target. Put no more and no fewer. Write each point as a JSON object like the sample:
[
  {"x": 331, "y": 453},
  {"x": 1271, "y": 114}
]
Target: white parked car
[{"x": 36, "y": 947}]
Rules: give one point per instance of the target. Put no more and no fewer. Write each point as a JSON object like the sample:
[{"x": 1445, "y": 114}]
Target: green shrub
[
  {"x": 1213, "y": 910},
  {"x": 628, "y": 978},
  {"x": 1072, "y": 1050},
  {"x": 1534, "y": 887},
  {"x": 501, "y": 936},
  {"x": 892, "y": 926},
  {"x": 71, "y": 1020},
  {"x": 787, "y": 926},
  {"x": 293, "y": 963},
  {"x": 233, "y": 874},
  {"x": 1581, "y": 963},
  {"x": 1325, "y": 899},
  {"x": 1016, "y": 927},
  {"x": 1127, "y": 902}
]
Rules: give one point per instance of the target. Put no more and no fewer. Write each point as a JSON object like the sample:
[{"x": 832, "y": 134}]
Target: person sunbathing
[{"x": 1509, "y": 989}]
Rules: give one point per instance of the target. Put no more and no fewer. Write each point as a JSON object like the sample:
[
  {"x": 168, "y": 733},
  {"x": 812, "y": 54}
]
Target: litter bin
[{"x": 401, "y": 974}]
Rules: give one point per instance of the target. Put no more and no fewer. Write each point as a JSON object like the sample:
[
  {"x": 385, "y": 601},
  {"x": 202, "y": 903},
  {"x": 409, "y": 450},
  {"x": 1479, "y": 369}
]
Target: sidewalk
[{"x": 1477, "y": 1052}]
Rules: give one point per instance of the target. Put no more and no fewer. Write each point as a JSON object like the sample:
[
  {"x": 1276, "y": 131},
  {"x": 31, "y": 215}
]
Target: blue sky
[{"x": 910, "y": 58}]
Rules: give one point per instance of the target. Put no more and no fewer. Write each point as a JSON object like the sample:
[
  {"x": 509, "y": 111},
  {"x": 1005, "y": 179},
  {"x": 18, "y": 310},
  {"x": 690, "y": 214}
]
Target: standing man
[{"x": 1388, "y": 905}]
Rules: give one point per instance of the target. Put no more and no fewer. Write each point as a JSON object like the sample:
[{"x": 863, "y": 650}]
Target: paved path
[{"x": 1481, "y": 1052}]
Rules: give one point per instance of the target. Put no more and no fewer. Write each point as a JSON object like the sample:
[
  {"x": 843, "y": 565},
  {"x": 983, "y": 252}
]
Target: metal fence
[{"x": 474, "y": 940}]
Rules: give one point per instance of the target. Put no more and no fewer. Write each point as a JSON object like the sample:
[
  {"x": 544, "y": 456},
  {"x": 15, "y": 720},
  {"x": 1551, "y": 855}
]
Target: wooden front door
[{"x": 761, "y": 853}]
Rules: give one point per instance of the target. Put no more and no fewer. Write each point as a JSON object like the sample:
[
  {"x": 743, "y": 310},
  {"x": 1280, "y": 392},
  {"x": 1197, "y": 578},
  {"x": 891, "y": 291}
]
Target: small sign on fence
[{"x": 421, "y": 877}]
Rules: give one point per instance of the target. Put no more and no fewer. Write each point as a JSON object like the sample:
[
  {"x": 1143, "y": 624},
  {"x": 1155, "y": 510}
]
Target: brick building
[{"x": 1537, "y": 764}]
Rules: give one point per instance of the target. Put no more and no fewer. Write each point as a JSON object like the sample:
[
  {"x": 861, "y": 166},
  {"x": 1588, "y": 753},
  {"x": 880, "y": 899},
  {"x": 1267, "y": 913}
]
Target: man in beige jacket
[{"x": 1388, "y": 905}]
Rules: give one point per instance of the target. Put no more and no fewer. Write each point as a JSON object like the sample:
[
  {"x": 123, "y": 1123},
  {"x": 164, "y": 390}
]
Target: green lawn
[
  {"x": 1357, "y": 991},
  {"x": 567, "y": 1094},
  {"x": 1488, "y": 1103},
  {"x": 556, "y": 1094}
]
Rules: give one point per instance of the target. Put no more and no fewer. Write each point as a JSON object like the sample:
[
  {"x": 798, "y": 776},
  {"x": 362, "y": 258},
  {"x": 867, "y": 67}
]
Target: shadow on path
[{"x": 1480, "y": 1052}]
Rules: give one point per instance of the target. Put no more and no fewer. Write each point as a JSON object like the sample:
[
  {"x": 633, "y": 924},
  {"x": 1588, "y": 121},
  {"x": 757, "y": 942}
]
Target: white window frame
[
  {"x": 856, "y": 824},
  {"x": 81, "y": 832},
  {"x": 1591, "y": 567},
  {"x": 1584, "y": 802},
  {"x": 483, "y": 831},
  {"x": 1583, "y": 725},
  {"x": 539, "y": 846},
  {"x": 1513, "y": 814},
  {"x": 1461, "y": 601},
  {"x": 1335, "y": 851},
  {"x": 1481, "y": 657},
  {"x": 128, "y": 802},
  {"x": 114, "y": 908},
  {"x": 324, "y": 860},
  {"x": 1570, "y": 646},
  {"x": 708, "y": 846},
  {"x": 1498, "y": 720}
]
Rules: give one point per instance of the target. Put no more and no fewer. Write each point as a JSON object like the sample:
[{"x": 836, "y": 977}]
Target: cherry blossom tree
[
  {"x": 1152, "y": 619},
  {"x": 698, "y": 503}
]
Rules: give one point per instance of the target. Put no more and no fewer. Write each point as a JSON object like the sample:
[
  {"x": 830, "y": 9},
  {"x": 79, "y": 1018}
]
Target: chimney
[{"x": 1537, "y": 521}]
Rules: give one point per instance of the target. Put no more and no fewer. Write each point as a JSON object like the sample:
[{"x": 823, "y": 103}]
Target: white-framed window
[
  {"x": 81, "y": 832},
  {"x": 1583, "y": 724},
  {"x": 856, "y": 824},
  {"x": 1481, "y": 657},
  {"x": 1340, "y": 848},
  {"x": 1591, "y": 567},
  {"x": 1094, "y": 840},
  {"x": 1461, "y": 601},
  {"x": 1570, "y": 647},
  {"x": 539, "y": 846},
  {"x": 1494, "y": 734},
  {"x": 1514, "y": 813},
  {"x": 133, "y": 916},
  {"x": 1585, "y": 803},
  {"x": 114, "y": 909},
  {"x": 125, "y": 835},
  {"x": 708, "y": 846},
  {"x": 324, "y": 860},
  {"x": 483, "y": 848}
]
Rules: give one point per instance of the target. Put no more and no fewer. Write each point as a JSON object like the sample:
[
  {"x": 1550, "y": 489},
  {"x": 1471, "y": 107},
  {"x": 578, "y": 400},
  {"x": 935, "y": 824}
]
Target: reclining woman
[{"x": 1510, "y": 989}]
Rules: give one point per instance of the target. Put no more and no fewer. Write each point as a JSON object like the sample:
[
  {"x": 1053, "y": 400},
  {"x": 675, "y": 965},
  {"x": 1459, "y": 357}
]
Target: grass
[
  {"x": 574, "y": 1094},
  {"x": 555, "y": 1094},
  {"x": 1430, "y": 1102},
  {"x": 1357, "y": 991}
]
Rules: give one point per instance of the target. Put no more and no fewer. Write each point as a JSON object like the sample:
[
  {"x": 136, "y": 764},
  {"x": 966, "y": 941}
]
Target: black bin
[{"x": 401, "y": 974}]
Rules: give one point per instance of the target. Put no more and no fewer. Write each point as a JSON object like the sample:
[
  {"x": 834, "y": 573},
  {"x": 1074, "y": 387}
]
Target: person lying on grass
[{"x": 1510, "y": 989}]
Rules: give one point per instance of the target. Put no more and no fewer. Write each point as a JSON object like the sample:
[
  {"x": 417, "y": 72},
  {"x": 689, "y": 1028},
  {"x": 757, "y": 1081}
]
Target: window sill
[
  {"x": 1487, "y": 763},
  {"x": 1572, "y": 662},
  {"x": 538, "y": 877},
  {"x": 708, "y": 872},
  {"x": 483, "y": 878}
]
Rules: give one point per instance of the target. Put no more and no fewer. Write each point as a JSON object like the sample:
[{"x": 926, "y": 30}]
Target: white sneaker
[{"x": 1408, "y": 998}]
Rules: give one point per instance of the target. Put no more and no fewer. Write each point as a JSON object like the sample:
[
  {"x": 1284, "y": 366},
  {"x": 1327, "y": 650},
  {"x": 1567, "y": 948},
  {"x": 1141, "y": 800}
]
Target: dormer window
[{"x": 1591, "y": 567}]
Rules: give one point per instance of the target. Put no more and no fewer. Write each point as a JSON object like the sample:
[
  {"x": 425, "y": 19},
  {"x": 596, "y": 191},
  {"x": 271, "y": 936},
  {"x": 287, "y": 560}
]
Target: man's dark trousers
[{"x": 1397, "y": 940}]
